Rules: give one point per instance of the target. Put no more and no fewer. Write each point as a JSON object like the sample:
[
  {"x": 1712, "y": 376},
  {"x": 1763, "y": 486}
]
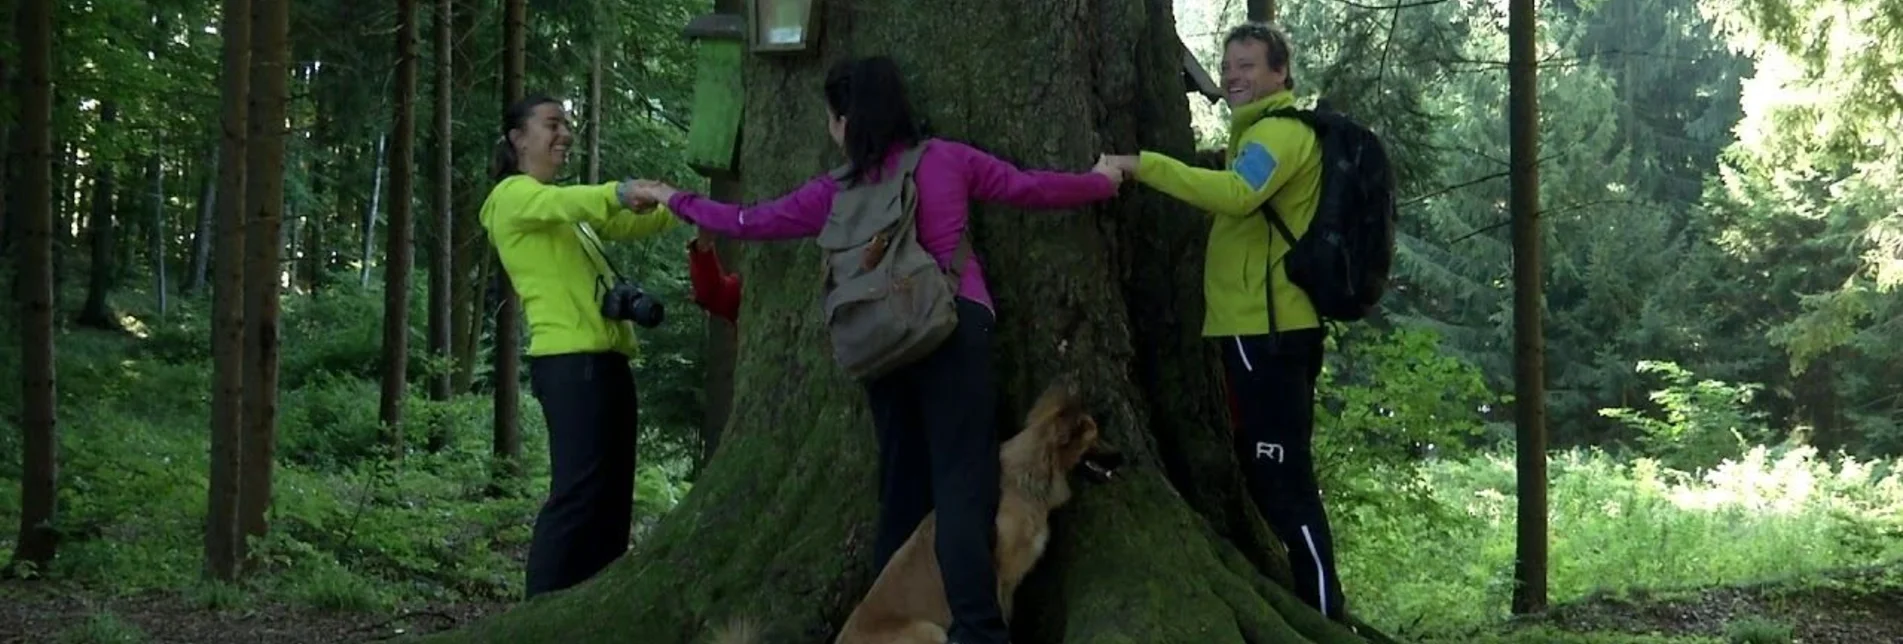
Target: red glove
[{"x": 714, "y": 290}]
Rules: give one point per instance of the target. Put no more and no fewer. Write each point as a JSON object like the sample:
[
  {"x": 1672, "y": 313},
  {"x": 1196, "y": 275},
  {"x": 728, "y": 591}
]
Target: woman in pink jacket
[{"x": 938, "y": 448}]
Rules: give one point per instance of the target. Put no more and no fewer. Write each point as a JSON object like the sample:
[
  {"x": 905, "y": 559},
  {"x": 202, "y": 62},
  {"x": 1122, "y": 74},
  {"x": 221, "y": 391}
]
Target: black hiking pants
[
  {"x": 1274, "y": 388},
  {"x": 938, "y": 449},
  {"x": 589, "y": 402}
]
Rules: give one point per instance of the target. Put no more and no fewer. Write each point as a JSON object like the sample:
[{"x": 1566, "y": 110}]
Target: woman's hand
[
  {"x": 629, "y": 194},
  {"x": 653, "y": 191}
]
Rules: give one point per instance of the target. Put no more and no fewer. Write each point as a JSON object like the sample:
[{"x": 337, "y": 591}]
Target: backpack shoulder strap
[{"x": 908, "y": 167}]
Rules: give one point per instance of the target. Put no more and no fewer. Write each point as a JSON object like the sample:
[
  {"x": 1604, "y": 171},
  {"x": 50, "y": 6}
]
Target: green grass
[
  {"x": 1619, "y": 528},
  {"x": 349, "y": 531}
]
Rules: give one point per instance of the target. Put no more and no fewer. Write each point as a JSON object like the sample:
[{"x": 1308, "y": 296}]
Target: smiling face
[
  {"x": 541, "y": 141},
  {"x": 1248, "y": 74}
]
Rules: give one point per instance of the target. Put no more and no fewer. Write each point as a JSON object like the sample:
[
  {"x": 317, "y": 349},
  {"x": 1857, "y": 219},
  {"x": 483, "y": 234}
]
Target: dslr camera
[{"x": 625, "y": 301}]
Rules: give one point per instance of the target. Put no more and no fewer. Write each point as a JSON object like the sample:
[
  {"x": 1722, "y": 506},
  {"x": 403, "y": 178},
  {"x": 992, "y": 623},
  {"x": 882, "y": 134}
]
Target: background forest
[{"x": 1723, "y": 209}]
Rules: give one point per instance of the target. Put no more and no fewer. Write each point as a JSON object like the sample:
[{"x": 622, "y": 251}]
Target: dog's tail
[{"x": 740, "y": 630}]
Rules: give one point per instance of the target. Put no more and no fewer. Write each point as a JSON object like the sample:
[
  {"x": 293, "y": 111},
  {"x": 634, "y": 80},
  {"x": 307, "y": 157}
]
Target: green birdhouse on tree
[{"x": 719, "y": 97}]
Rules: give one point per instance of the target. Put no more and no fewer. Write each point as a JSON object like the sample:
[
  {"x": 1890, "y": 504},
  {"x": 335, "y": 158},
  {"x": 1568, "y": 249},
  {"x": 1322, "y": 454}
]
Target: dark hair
[
  {"x": 503, "y": 163},
  {"x": 1279, "y": 52},
  {"x": 871, "y": 95}
]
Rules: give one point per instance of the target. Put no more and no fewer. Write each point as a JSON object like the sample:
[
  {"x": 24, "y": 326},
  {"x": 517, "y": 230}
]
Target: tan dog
[{"x": 906, "y": 604}]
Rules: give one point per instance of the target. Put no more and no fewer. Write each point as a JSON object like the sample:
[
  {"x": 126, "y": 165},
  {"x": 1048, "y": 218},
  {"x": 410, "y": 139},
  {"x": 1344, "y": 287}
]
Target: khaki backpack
[{"x": 886, "y": 301}]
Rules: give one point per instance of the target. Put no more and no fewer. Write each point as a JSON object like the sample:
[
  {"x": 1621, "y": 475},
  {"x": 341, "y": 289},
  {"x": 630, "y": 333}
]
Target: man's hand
[
  {"x": 1106, "y": 168},
  {"x": 1123, "y": 163}
]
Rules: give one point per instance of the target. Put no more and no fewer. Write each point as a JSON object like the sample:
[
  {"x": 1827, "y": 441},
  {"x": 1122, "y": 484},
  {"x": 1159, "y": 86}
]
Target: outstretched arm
[
  {"x": 800, "y": 213},
  {"x": 1265, "y": 161},
  {"x": 522, "y": 202},
  {"x": 993, "y": 179}
]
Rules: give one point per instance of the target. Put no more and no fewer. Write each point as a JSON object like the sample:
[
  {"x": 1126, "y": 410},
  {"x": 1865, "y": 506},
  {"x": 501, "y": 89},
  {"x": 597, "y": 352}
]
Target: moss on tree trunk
[{"x": 779, "y": 526}]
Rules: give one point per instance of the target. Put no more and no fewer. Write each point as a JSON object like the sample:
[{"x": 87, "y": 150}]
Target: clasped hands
[
  {"x": 641, "y": 194},
  {"x": 1119, "y": 167}
]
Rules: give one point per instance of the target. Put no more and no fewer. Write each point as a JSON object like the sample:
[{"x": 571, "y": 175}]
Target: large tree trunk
[
  {"x": 507, "y": 445},
  {"x": 778, "y": 526},
  {"x": 264, "y": 201},
  {"x": 397, "y": 251},
  {"x": 39, "y": 482},
  {"x": 1529, "y": 342},
  {"x": 97, "y": 312},
  {"x": 442, "y": 211},
  {"x": 224, "y": 543}
]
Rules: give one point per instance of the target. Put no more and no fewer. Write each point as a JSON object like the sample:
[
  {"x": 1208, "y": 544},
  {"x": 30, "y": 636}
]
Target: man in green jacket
[{"x": 1271, "y": 337}]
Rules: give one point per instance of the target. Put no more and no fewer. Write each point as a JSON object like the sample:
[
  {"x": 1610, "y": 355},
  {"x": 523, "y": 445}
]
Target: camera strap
[{"x": 601, "y": 282}]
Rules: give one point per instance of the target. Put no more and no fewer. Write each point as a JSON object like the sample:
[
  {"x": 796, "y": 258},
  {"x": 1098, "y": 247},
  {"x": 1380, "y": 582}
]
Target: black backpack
[{"x": 1342, "y": 261}]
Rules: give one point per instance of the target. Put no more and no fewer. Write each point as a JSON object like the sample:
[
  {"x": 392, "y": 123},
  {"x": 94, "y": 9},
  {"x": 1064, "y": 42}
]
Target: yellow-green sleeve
[
  {"x": 529, "y": 203},
  {"x": 626, "y": 224},
  {"x": 1262, "y": 165}
]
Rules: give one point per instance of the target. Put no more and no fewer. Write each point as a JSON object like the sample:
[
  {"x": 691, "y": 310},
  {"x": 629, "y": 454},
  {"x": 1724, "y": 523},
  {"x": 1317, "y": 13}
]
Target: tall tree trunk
[
  {"x": 264, "y": 200},
  {"x": 202, "y": 234},
  {"x": 465, "y": 293},
  {"x": 722, "y": 340},
  {"x": 370, "y": 215},
  {"x": 1529, "y": 343},
  {"x": 37, "y": 541},
  {"x": 594, "y": 109},
  {"x": 66, "y": 184},
  {"x": 508, "y": 353},
  {"x": 397, "y": 253},
  {"x": 155, "y": 170},
  {"x": 224, "y": 542},
  {"x": 443, "y": 210},
  {"x": 777, "y": 527},
  {"x": 97, "y": 312}
]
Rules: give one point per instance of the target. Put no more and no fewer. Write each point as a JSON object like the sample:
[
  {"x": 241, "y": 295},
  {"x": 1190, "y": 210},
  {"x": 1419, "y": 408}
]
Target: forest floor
[{"x": 1852, "y": 606}]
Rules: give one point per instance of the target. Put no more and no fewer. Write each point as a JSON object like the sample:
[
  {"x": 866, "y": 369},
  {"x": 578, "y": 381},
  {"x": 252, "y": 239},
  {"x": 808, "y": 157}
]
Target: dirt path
[{"x": 39, "y": 613}]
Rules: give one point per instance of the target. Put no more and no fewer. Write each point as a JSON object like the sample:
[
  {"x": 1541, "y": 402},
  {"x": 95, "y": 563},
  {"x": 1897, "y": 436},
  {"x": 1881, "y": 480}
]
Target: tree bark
[
  {"x": 1529, "y": 344},
  {"x": 398, "y": 261},
  {"x": 37, "y": 540},
  {"x": 1262, "y": 10},
  {"x": 507, "y": 446},
  {"x": 595, "y": 110},
  {"x": 778, "y": 526},
  {"x": 202, "y": 234},
  {"x": 264, "y": 201},
  {"x": 465, "y": 294},
  {"x": 156, "y": 171},
  {"x": 443, "y": 209},
  {"x": 370, "y": 215},
  {"x": 224, "y": 543},
  {"x": 97, "y": 312}
]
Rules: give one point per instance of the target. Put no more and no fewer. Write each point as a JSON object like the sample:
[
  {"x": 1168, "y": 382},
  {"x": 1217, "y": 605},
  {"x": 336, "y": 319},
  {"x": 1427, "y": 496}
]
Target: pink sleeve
[
  {"x": 992, "y": 179},
  {"x": 800, "y": 213}
]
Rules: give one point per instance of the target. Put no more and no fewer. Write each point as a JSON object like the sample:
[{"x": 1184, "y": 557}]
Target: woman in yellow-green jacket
[{"x": 549, "y": 237}]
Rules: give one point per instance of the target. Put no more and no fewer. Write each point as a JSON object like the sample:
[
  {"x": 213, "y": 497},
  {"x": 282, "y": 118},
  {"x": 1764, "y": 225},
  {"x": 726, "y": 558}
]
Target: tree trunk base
[{"x": 1129, "y": 562}]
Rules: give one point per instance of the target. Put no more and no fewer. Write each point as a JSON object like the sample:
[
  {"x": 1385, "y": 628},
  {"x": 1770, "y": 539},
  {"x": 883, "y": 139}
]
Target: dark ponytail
[
  {"x": 870, "y": 93},
  {"x": 503, "y": 162}
]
